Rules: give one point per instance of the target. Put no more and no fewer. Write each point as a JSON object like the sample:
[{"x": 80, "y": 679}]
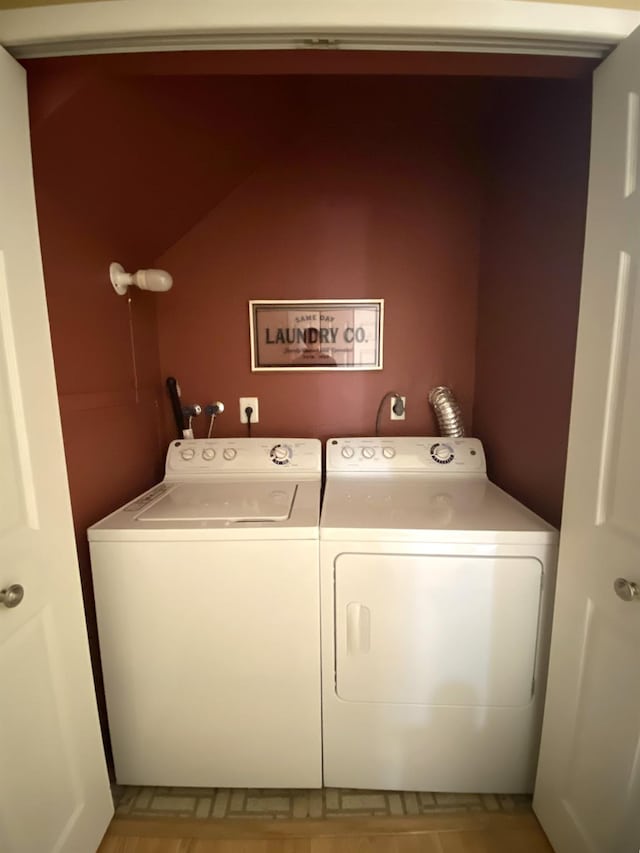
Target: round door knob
[
  {"x": 12, "y": 595},
  {"x": 626, "y": 590}
]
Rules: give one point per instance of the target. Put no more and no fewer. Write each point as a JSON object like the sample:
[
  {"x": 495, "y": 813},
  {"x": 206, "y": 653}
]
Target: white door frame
[{"x": 481, "y": 26}]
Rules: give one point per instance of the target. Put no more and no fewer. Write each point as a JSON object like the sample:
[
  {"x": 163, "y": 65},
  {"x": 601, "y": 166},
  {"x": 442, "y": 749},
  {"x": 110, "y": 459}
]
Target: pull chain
[{"x": 133, "y": 350}]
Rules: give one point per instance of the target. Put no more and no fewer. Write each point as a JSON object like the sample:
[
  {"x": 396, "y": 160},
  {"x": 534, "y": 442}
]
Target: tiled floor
[{"x": 207, "y": 803}]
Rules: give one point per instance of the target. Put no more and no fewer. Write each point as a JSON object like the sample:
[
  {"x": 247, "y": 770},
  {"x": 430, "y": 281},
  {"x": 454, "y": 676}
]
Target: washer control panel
[
  {"x": 210, "y": 457},
  {"x": 419, "y": 455}
]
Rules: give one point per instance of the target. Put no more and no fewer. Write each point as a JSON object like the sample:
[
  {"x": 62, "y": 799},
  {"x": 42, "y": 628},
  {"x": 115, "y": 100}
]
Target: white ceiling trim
[{"x": 504, "y": 26}]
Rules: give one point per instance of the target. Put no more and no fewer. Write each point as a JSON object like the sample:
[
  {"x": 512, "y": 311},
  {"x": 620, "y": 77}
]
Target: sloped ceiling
[
  {"x": 142, "y": 159},
  {"x": 138, "y": 148}
]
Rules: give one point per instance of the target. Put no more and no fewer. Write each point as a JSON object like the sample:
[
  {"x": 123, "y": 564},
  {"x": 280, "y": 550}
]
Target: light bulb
[{"x": 157, "y": 280}]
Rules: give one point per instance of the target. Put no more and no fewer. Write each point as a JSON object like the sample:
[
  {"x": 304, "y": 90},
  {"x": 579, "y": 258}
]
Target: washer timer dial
[
  {"x": 280, "y": 454},
  {"x": 229, "y": 453},
  {"x": 442, "y": 453}
]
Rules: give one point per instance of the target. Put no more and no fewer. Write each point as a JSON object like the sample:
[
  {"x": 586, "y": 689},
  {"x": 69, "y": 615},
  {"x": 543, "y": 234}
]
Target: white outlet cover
[
  {"x": 255, "y": 415},
  {"x": 393, "y": 415}
]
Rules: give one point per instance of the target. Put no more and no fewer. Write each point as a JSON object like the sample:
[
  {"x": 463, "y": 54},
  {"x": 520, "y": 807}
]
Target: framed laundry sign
[{"x": 316, "y": 334}]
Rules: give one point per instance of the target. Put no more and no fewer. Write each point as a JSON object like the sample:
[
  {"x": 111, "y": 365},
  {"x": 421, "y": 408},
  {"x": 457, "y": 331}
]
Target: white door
[
  {"x": 54, "y": 791},
  {"x": 588, "y": 788}
]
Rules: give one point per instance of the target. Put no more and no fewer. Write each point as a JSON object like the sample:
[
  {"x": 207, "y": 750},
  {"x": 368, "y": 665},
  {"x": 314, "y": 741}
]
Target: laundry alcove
[{"x": 451, "y": 186}]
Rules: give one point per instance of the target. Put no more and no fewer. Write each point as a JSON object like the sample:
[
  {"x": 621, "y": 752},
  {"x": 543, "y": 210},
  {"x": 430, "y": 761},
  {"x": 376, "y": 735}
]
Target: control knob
[
  {"x": 388, "y": 452},
  {"x": 229, "y": 453},
  {"x": 347, "y": 452},
  {"x": 280, "y": 454},
  {"x": 441, "y": 453},
  {"x": 188, "y": 453},
  {"x": 208, "y": 453},
  {"x": 368, "y": 452}
]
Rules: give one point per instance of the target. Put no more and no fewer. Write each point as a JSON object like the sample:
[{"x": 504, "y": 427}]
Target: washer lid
[{"x": 223, "y": 501}]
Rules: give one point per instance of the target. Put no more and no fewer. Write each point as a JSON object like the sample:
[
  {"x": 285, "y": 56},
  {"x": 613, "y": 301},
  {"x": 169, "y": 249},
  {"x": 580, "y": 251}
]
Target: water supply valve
[
  {"x": 213, "y": 410},
  {"x": 190, "y": 412}
]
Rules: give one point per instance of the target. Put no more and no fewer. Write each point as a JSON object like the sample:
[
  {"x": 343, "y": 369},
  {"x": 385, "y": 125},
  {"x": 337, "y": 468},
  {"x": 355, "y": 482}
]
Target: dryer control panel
[
  {"x": 409, "y": 455},
  {"x": 211, "y": 457}
]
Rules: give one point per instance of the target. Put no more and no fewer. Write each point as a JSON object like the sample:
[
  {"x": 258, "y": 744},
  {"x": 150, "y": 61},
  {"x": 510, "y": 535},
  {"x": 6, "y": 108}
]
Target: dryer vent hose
[{"x": 447, "y": 411}]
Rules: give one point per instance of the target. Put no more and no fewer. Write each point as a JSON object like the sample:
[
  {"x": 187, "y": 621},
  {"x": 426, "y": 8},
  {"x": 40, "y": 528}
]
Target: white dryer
[
  {"x": 436, "y": 595},
  {"x": 207, "y": 597}
]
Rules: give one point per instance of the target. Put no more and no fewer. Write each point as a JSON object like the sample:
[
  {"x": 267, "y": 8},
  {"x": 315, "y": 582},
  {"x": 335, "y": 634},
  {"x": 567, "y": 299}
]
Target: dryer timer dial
[{"x": 442, "y": 453}]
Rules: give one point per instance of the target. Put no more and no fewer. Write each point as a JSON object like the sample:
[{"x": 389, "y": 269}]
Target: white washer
[
  {"x": 207, "y": 597},
  {"x": 436, "y": 594}
]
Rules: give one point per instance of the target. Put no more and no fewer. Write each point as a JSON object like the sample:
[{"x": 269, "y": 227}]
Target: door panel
[
  {"x": 620, "y": 454},
  {"x": 38, "y": 707},
  {"x": 17, "y": 503},
  {"x": 599, "y": 764}
]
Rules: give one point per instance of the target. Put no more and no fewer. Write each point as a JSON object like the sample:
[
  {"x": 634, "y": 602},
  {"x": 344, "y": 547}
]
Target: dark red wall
[
  {"x": 109, "y": 403},
  {"x": 375, "y": 194},
  {"x": 256, "y": 186},
  {"x": 530, "y": 269},
  {"x": 124, "y": 166}
]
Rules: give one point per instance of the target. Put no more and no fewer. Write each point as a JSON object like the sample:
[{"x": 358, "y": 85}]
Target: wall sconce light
[{"x": 156, "y": 280}]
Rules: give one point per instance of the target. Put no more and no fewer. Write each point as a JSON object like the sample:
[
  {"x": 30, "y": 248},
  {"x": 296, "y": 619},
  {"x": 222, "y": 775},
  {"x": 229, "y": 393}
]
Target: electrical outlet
[
  {"x": 392, "y": 414},
  {"x": 249, "y": 401}
]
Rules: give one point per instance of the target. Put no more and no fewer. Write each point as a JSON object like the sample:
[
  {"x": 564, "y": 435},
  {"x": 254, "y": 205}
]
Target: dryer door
[{"x": 436, "y": 630}]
